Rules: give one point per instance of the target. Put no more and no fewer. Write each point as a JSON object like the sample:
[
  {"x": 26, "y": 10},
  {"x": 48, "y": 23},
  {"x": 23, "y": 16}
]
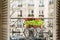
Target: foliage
[{"x": 34, "y": 22}]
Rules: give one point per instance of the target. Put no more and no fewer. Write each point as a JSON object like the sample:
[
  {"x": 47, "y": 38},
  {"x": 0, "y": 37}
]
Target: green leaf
[{"x": 34, "y": 22}]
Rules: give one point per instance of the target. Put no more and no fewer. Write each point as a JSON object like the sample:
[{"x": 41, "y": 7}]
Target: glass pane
[{"x": 31, "y": 23}]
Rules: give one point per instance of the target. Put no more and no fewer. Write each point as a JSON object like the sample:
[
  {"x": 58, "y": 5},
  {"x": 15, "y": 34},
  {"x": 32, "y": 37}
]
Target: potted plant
[
  {"x": 37, "y": 23},
  {"x": 40, "y": 23},
  {"x": 25, "y": 19},
  {"x": 34, "y": 23},
  {"x": 27, "y": 24}
]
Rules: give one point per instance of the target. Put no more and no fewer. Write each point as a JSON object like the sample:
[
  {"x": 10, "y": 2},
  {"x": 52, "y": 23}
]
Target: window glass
[
  {"x": 41, "y": 3},
  {"x": 31, "y": 23},
  {"x": 31, "y": 3}
]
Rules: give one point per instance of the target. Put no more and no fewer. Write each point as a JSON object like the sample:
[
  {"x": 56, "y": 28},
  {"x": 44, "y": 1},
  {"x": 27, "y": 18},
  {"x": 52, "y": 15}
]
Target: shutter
[
  {"x": 4, "y": 20},
  {"x": 0, "y": 20},
  {"x": 58, "y": 19}
]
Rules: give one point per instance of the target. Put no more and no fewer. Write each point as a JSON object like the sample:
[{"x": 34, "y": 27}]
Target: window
[
  {"x": 31, "y": 3},
  {"x": 41, "y": 13},
  {"x": 38, "y": 23},
  {"x": 51, "y": 1},
  {"x": 31, "y": 13},
  {"x": 51, "y": 12},
  {"x": 41, "y": 3},
  {"x": 20, "y": 3},
  {"x": 20, "y": 13}
]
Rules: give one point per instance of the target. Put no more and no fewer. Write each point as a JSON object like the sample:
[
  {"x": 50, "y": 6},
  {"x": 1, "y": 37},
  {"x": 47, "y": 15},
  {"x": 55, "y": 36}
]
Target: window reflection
[{"x": 29, "y": 23}]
